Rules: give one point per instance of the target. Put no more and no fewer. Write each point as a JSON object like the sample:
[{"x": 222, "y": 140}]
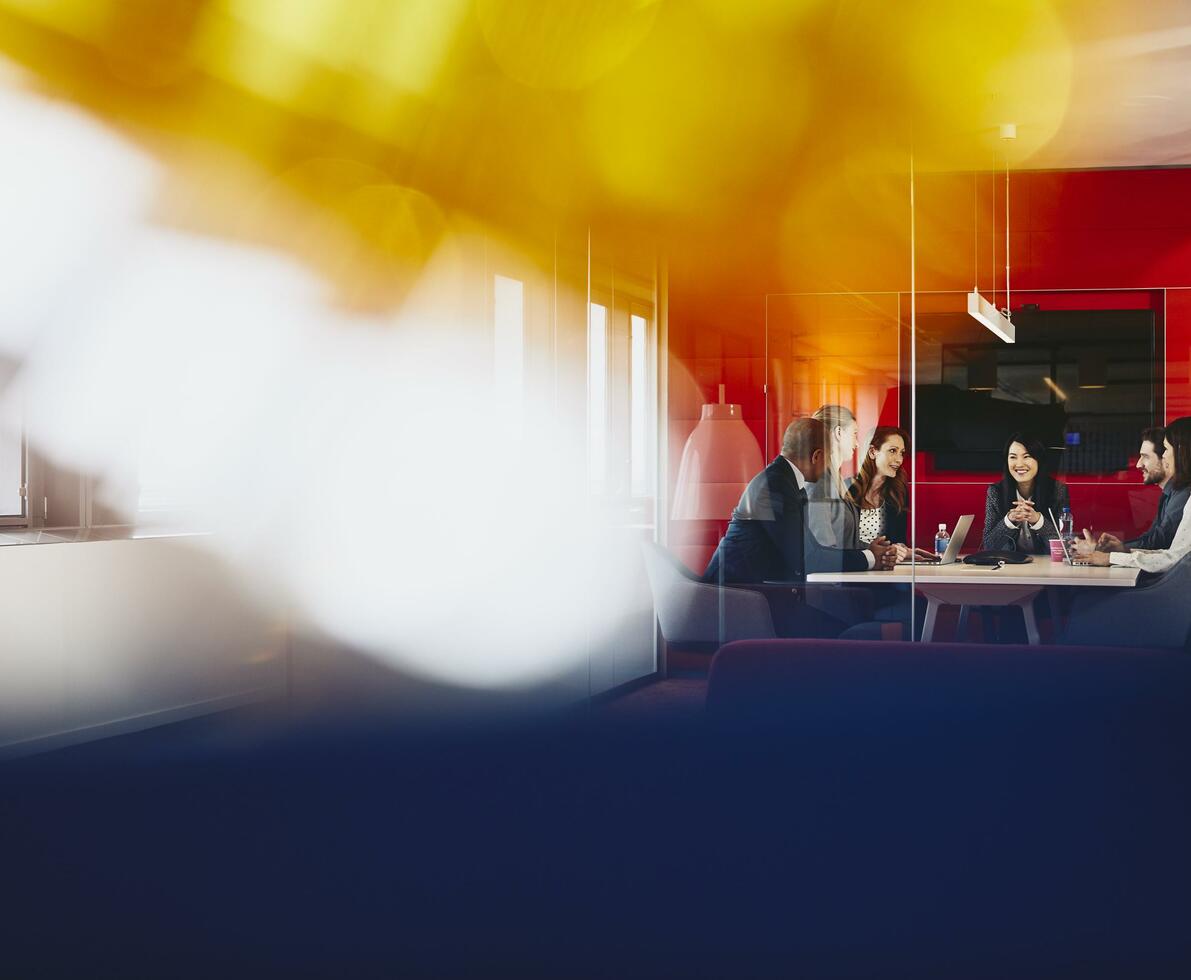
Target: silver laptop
[
  {"x": 1068, "y": 553},
  {"x": 958, "y": 537}
]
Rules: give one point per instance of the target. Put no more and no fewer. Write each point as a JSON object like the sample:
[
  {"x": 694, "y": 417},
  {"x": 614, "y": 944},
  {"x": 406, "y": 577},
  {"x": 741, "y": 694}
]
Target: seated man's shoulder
[
  {"x": 821, "y": 489},
  {"x": 757, "y": 503}
]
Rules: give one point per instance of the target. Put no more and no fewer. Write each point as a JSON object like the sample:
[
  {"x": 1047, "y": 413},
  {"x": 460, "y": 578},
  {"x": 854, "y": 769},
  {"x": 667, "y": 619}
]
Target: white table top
[{"x": 1039, "y": 571}]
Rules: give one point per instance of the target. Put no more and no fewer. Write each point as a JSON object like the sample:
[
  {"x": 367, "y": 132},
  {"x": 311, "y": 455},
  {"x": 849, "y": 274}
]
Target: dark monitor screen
[{"x": 1085, "y": 381}]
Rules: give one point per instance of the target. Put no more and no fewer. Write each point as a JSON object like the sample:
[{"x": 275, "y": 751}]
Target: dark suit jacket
[
  {"x": 1170, "y": 513},
  {"x": 768, "y": 538}
]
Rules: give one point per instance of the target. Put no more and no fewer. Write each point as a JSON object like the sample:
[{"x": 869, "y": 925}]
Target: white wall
[{"x": 109, "y": 636}]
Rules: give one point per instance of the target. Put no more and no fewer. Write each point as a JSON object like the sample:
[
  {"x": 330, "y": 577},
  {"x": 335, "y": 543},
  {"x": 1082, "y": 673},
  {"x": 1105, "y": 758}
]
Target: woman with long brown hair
[
  {"x": 879, "y": 490},
  {"x": 880, "y": 500}
]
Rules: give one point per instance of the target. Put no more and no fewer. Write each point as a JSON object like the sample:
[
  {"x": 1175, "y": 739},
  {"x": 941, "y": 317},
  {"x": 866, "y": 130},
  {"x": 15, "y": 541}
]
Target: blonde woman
[{"x": 831, "y": 516}]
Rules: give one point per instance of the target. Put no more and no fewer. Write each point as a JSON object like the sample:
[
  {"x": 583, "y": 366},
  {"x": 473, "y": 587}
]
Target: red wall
[{"x": 1100, "y": 232}]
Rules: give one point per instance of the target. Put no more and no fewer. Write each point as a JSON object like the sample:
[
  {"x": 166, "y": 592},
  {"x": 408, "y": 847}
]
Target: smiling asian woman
[{"x": 1016, "y": 507}]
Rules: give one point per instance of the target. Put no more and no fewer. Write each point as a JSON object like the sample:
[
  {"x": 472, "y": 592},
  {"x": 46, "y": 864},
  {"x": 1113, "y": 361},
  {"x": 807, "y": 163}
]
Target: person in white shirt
[
  {"x": 768, "y": 541},
  {"x": 767, "y": 538},
  {"x": 1176, "y": 461},
  {"x": 1171, "y": 501}
]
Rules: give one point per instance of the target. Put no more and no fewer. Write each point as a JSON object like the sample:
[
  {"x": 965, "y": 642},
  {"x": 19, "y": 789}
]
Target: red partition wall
[{"x": 1090, "y": 239}]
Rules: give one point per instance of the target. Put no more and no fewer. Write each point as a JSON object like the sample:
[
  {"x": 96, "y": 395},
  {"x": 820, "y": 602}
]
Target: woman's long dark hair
[
  {"x": 1178, "y": 434},
  {"x": 1043, "y": 493},
  {"x": 892, "y": 491}
]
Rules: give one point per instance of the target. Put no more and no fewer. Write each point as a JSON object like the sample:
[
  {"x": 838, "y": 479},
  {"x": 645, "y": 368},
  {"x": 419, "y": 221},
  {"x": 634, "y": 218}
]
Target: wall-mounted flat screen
[{"x": 1086, "y": 381}]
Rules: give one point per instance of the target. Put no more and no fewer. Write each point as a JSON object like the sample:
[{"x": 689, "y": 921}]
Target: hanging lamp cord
[{"x": 1008, "y": 303}]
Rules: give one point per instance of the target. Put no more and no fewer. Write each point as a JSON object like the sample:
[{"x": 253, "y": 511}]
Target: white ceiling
[{"x": 1130, "y": 98}]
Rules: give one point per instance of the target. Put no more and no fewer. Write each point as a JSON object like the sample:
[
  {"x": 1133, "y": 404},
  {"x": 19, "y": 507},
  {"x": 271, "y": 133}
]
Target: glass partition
[{"x": 836, "y": 359}]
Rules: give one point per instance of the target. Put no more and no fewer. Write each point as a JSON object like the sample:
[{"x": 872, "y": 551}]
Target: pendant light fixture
[
  {"x": 718, "y": 460},
  {"x": 998, "y": 321}
]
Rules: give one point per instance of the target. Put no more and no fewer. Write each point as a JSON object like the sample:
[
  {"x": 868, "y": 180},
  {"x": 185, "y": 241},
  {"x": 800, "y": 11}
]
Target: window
[
  {"x": 12, "y": 459},
  {"x": 638, "y": 406},
  {"x": 159, "y": 494},
  {"x": 597, "y": 396},
  {"x": 508, "y": 355},
  {"x": 12, "y": 470}
]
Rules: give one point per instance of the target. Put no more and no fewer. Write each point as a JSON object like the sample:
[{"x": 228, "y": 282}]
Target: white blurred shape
[
  {"x": 355, "y": 465},
  {"x": 67, "y": 191},
  {"x": 508, "y": 347}
]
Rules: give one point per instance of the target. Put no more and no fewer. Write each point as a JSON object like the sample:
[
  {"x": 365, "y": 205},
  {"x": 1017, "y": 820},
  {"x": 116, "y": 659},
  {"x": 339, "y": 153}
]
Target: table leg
[
  {"x": 985, "y": 591},
  {"x": 961, "y": 627},
  {"x": 928, "y": 625},
  {"x": 1027, "y": 612}
]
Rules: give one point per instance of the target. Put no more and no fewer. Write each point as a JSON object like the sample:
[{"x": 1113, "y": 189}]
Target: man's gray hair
[{"x": 802, "y": 438}]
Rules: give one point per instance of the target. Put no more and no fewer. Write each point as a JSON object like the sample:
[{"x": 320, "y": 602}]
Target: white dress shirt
[{"x": 868, "y": 555}]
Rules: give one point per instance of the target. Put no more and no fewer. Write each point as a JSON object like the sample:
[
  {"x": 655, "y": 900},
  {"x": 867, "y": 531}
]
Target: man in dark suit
[
  {"x": 1170, "y": 504},
  {"x": 768, "y": 540}
]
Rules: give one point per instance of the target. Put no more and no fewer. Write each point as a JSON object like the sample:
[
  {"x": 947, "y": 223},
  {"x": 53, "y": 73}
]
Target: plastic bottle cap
[{"x": 942, "y": 527}]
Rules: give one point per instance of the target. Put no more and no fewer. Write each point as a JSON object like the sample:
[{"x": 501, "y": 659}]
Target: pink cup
[{"x": 1056, "y": 550}]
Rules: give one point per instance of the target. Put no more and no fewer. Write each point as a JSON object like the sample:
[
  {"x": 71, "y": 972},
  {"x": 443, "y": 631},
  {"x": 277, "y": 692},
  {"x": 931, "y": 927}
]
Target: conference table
[{"x": 981, "y": 585}]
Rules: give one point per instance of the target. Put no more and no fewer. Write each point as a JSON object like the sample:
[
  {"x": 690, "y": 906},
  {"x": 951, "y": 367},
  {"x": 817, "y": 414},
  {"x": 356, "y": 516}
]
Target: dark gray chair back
[
  {"x": 691, "y": 611},
  {"x": 1154, "y": 615}
]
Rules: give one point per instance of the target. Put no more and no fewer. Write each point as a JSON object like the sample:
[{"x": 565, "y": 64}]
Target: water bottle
[
  {"x": 942, "y": 540},
  {"x": 1067, "y": 528}
]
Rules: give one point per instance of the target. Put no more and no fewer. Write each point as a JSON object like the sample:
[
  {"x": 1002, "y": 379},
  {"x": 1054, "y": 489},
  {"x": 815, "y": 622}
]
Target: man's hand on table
[
  {"x": 1086, "y": 550},
  {"x": 1110, "y": 542},
  {"x": 884, "y": 552}
]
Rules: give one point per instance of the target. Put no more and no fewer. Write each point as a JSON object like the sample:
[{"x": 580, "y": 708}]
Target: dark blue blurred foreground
[{"x": 1022, "y": 814}]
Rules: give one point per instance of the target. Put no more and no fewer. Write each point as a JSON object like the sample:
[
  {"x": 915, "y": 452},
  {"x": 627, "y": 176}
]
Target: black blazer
[
  {"x": 997, "y": 537},
  {"x": 896, "y": 524},
  {"x": 768, "y": 538}
]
